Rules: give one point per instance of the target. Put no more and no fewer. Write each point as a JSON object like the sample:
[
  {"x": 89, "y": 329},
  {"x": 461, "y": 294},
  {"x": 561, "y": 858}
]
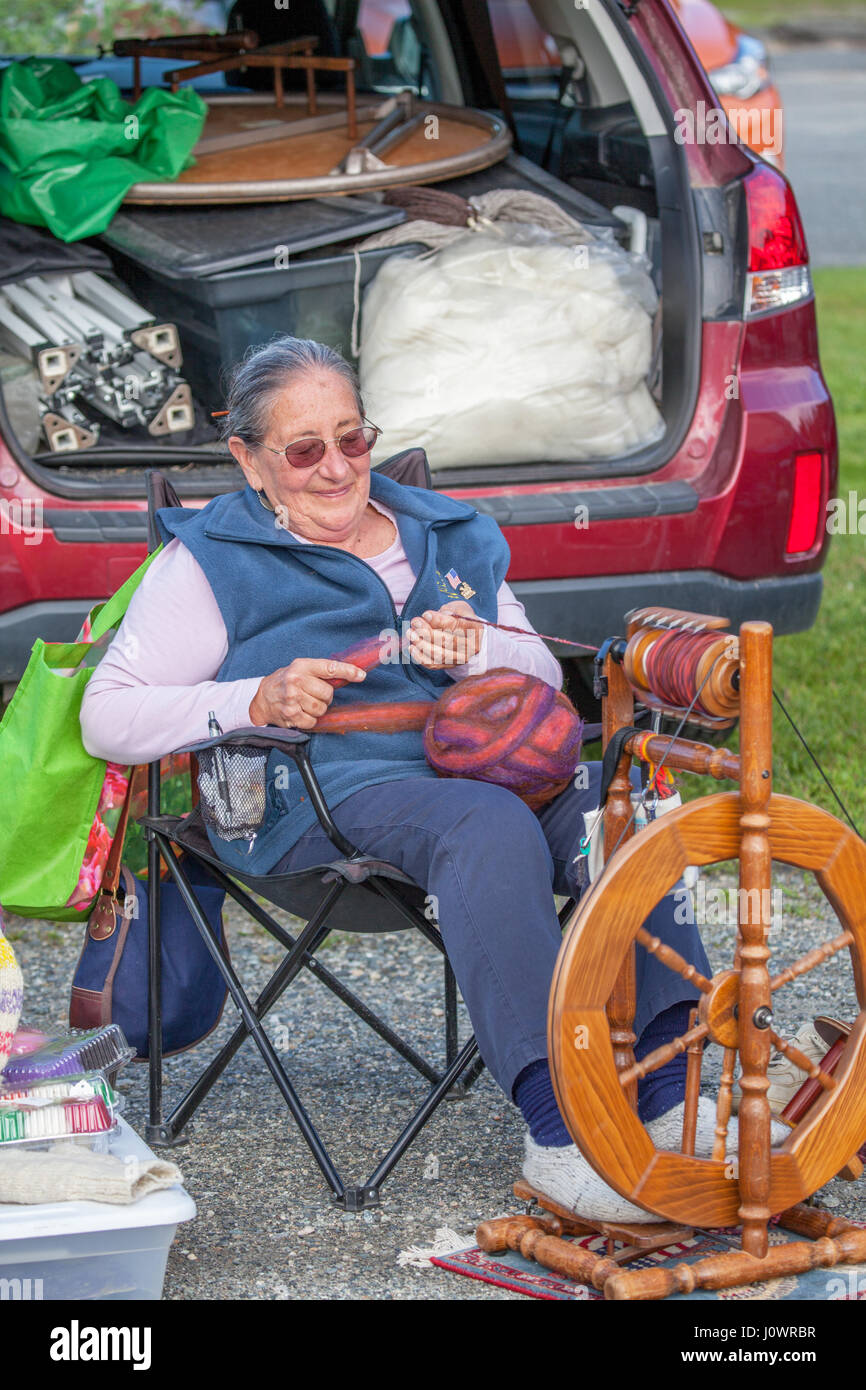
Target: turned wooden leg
[
  {"x": 694, "y": 1057},
  {"x": 531, "y": 1236},
  {"x": 732, "y": 1268},
  {"x": 755, "y": 1011},
  {"x": 617, "y": 712}
]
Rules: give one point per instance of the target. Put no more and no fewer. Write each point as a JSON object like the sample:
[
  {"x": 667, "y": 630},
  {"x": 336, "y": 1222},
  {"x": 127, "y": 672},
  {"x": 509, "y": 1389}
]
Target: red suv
[{"x": 723, "y": 513}]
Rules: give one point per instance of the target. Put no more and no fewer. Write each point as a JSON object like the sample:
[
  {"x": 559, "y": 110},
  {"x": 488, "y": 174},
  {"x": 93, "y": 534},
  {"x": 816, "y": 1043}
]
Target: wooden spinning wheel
[
  {"x": 671, "y": 660},
  {"x": 591, "y": 1091}
]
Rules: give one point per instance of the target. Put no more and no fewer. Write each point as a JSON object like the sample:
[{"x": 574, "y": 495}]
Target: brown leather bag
[
  {"x": 109, "y": 916},
  {"x": 110, "y": 984}
]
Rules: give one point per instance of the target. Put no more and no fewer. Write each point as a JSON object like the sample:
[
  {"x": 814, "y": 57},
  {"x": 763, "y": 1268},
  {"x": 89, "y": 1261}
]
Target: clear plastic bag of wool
[{"x": 512, "y": 343}]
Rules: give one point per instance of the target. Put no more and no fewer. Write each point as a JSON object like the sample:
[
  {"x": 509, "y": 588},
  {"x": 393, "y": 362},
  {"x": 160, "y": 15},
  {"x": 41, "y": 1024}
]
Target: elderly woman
[{"x": 241, "y": 614}]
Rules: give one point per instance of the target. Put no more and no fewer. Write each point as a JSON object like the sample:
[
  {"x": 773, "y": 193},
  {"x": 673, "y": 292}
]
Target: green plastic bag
[
  {"x": 50, "y": 783},
  {"x": 70, "y": 150}
]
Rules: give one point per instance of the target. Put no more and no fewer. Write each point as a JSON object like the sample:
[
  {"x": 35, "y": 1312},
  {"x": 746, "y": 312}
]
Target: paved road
[{"x": 824, "y": 95}]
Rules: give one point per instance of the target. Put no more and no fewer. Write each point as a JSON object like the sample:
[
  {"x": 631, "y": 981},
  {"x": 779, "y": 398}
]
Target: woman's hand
[
  {"x": 297, "y": 695},
  {"x": 448, "y": 637}
]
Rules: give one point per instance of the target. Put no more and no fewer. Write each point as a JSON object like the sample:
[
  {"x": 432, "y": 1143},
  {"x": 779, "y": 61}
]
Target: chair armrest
[
  {"x": 259, "y": 735},
  {"x": 294, "y": 742}
]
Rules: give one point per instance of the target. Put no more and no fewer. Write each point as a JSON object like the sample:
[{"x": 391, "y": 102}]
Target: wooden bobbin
[
  {"x": 633, "y": 663},
  {"x": 720, "y": 696},
  {"x": 719, "y": 666}
]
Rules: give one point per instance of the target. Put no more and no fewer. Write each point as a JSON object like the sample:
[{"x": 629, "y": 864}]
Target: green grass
[
  {"x": 821, "y": 674},
  {"x": 763, "y": 14}
]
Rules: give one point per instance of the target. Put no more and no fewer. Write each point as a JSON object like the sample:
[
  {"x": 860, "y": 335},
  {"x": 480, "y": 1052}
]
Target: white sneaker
[
  {"x": 813, "y": 1040},
  {"x": 566, "y": 1176},
  {"x": 666, "y": 1132}
]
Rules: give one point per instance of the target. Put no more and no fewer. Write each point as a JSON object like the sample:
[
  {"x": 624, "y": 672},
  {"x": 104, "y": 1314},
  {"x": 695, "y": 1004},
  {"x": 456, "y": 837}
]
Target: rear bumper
[
  {"x": 589, "y": 610},
  {"x": 58, "y": 620},
  {"x": 581, "y": 610}
]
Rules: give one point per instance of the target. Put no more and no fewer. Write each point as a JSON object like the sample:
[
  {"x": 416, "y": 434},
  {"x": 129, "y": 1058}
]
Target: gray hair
[{"x": 264, "y": 371}]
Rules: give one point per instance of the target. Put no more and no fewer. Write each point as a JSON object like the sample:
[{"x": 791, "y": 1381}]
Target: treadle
[
  {"x": 636, "y": 1238},
  {"x": 830, "y": 1241}
]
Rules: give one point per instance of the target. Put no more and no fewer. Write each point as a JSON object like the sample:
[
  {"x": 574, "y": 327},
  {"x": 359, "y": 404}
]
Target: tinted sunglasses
[{"x": 304, "y": 453}]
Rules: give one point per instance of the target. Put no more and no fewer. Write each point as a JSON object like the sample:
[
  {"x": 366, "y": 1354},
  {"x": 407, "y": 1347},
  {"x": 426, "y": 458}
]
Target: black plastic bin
[{"x": 218, "y": 317}]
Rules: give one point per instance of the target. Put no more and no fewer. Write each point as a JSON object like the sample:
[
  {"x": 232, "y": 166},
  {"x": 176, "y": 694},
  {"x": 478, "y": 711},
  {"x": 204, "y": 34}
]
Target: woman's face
[{"x": 326, "y": 501}]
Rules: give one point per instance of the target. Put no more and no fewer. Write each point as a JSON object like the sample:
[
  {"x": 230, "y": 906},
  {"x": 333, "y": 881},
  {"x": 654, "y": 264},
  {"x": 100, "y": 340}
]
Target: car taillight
[
  {"x": 778, "y": 274},
  {"x": 806, "y": 504}
]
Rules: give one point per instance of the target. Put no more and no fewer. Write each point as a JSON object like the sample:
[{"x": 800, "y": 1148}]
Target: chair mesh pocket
[{"x": 232, "y": 784}]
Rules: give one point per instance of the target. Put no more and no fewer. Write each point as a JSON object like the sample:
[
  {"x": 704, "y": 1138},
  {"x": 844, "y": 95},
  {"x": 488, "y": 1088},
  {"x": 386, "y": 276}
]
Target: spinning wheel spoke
[
  {"x": 694, "y": 1062},
  {"x": 801, "y": 1061},
  {"x": 653, "y": 1060},
  {"x": 673, "y": 960},
  {"x": 723, "y": 1103},
  {"x": 816, "y": 956}
]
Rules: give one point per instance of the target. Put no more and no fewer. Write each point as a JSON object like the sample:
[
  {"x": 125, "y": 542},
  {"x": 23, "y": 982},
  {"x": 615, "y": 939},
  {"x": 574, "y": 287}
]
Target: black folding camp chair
[{"x": 352, "y": 892}]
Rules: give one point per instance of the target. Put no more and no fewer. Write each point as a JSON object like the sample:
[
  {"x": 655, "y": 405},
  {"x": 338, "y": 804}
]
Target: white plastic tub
[{"x": 91, "y": 1250}]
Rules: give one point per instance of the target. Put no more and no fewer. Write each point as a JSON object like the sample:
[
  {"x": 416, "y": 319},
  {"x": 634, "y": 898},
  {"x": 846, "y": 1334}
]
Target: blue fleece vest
[{"x": 281, "y": 599}]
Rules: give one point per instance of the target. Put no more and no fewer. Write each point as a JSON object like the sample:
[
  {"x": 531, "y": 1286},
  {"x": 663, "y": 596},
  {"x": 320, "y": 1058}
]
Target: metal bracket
[
  {"x": 176, "y": 414},
  {"x": 161, "y": 341},
  {"x": 164, "y": 1137},
  {"x": 65, "y": 436},
  {"x": 398, "y": 122},
  {"x": 358, "y": 1198},
  {"x": 614, "y": 646}
]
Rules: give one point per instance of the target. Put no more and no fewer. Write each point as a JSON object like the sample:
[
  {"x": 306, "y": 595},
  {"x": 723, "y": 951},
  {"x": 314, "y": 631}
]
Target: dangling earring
[{"x": 263, "y": 499}]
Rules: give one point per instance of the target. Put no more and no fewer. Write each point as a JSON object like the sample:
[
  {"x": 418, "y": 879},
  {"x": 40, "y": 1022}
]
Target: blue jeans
[{"x": 491, "y": 866}]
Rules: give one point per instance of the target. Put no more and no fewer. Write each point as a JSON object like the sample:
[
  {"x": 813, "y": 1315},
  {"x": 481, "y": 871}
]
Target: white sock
[
  {"x": 666, "y": 1131},
  {"x": 564, "y": 1175}
]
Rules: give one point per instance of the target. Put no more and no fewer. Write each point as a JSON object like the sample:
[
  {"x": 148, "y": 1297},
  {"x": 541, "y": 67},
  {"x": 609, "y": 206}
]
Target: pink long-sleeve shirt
[{"x": 155, "y": 686}]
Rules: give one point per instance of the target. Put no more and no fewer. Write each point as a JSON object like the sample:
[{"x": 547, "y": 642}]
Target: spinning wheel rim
[{"x": 698, "y": 1191}]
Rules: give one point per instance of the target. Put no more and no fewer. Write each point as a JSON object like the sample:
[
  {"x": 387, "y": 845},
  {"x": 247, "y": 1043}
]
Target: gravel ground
[{"x": 266, "y": 1228}]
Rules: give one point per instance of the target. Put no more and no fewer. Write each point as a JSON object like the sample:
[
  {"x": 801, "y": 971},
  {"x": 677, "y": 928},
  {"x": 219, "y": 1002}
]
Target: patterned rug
[{"x": 511, "y": 1271}]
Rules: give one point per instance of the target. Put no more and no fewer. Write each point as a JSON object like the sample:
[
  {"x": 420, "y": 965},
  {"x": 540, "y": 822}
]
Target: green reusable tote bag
[{"x": 50, "y": 783}]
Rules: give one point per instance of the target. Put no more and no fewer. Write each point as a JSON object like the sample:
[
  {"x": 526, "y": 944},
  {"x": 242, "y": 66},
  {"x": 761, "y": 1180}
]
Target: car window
[
  {"x": 560, "y": 123},
  {"x": 389, "y": 40},
  {"x": 528, "y": 55},
  {"x": 70, "y": 27},
  {"x": 394, "y": 53}
]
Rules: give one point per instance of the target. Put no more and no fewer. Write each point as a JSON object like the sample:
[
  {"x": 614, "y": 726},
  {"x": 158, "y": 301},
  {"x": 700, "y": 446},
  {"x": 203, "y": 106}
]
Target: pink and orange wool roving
[{"x": 508, "y": 728}]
